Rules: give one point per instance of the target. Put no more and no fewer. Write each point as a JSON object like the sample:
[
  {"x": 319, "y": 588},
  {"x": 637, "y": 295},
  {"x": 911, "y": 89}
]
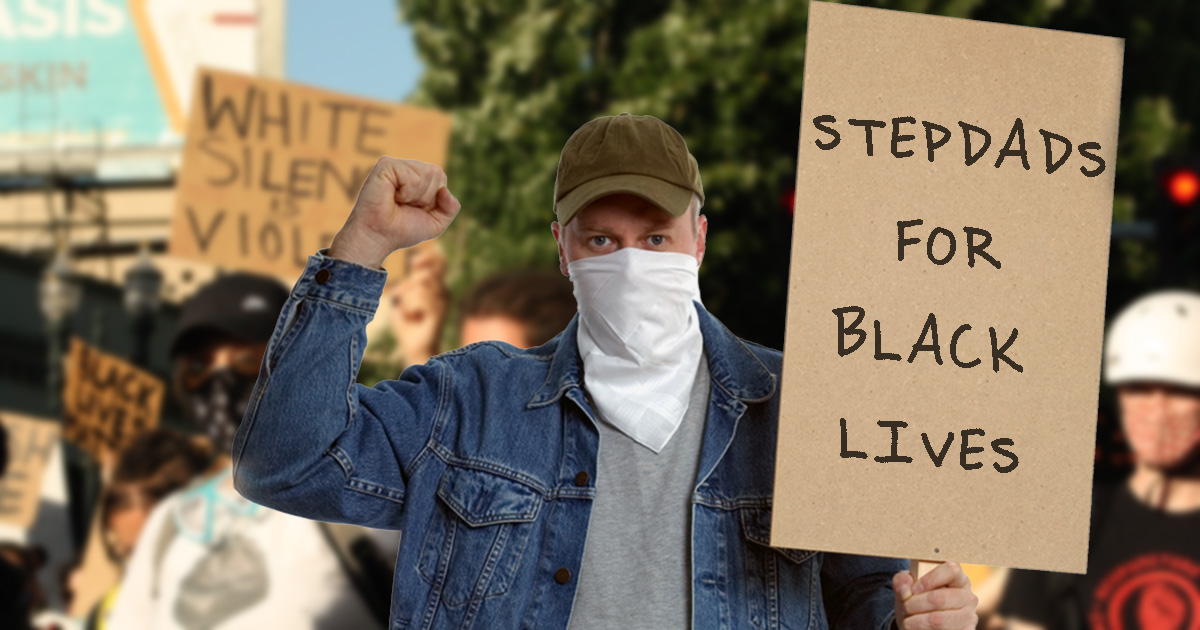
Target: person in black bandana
[
  {"x": 1144, "y": 556},
  {"x": 223, "y": 332}
]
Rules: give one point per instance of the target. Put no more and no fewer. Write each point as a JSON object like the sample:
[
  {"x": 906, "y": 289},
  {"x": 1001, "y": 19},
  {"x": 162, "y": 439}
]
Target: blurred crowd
[{"x": 191, "y": 552}]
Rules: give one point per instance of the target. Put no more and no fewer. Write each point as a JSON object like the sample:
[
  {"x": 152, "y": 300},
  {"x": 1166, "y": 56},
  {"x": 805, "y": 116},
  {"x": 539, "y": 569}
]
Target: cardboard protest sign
[
  {"x": 107, "y": 401},
  {"x": 31, "y": 443},
  {"x": 271, "y": 169},
  {"x": 946, "y": 299}
]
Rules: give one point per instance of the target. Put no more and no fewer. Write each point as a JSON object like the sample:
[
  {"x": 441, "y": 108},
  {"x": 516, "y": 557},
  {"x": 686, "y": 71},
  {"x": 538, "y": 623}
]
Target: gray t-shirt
[{"x": 637, "y": 569}]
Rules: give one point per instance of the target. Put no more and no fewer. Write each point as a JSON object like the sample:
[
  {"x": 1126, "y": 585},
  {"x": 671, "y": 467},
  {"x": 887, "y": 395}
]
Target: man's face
[
  {"x": 1162, "y": 422},
  {"x": 616, "y": 221}
]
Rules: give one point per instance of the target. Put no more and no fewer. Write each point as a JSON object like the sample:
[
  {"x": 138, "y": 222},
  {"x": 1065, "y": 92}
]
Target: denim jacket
[{"x": 486, "y": 458}]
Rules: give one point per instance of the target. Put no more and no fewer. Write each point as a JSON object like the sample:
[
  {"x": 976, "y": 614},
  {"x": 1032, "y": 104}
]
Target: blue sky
[{"x": 355, "y": 46}]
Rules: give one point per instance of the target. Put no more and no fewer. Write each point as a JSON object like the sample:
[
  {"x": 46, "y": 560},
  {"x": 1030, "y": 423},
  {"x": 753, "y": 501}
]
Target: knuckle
[
  {"x": 937, "y": 598},
  {"x": 937, "y": 620}
]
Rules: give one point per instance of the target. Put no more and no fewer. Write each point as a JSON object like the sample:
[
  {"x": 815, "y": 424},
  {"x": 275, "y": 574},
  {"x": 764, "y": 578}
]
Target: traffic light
[
  {"x": 1182, "y": 187},
  {"x": 1177, "y": 221}
]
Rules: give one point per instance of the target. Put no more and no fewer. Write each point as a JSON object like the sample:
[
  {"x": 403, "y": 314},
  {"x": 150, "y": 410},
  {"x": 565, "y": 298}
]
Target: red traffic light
[{"x": 1183, "y": 186}]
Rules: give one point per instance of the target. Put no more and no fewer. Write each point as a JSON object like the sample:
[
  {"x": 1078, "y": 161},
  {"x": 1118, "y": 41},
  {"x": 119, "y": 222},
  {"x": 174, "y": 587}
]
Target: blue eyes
[{"x": 601, "y": 241}]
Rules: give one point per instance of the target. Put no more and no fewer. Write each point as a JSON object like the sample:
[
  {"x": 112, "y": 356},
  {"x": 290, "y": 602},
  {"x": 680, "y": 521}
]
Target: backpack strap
[
  {"x": 365, "y": 564},
  {"x": 166, "y": 536},
  {"x": 1068, "y": 584}
]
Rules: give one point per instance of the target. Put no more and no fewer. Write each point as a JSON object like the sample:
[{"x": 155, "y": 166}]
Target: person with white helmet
[{"x": 1144, "y": 557}]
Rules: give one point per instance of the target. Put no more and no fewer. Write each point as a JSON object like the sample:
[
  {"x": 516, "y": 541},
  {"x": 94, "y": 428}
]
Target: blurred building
[{"x": 93, "y": 99}]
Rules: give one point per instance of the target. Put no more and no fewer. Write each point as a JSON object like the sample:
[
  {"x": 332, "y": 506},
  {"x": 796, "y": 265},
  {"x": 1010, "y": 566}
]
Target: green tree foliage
[{"x": 520, "y": 77}]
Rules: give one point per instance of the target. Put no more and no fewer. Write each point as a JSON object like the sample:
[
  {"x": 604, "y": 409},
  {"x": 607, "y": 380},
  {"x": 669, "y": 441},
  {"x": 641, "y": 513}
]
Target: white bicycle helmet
[{"x": 1157, "y": 339}]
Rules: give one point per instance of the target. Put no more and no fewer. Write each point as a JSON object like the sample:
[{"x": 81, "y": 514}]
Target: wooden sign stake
[{"x": 919, "y": 568}]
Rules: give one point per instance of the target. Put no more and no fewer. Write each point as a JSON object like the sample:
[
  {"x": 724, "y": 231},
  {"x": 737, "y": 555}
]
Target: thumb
[
  {"x": 902, "y": 584},
  {"x": 447, "y": 202}
]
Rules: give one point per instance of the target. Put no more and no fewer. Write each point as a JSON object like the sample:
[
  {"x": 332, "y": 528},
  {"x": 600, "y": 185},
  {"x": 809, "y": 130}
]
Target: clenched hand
[{"x": 401, "y": 203}]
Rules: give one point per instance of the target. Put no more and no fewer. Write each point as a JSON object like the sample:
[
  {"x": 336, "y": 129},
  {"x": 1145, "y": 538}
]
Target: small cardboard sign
[
  {"x": 107, "y": 401},
  {"x": 31, "y": 443},
  {"x": 271, "y": 169},
  {"x": 946, "y": 300}
]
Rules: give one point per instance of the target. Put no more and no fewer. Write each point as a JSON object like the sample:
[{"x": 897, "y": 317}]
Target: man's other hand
[
  {"x": 401, "y": 203},
  {"x": 940, "y": 600}
]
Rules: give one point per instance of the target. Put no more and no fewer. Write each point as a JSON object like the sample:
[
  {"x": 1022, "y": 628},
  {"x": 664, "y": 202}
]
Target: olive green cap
[{"x": 638, "y": 155}]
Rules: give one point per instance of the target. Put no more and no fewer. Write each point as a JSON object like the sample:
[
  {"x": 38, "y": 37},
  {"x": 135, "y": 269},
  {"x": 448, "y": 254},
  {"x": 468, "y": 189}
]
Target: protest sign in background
[
  {"x": 271, "y": 169},
  {"x": 31, "y": 444},
  {"x": 107, "y": 401},
  {"x": 946, "y": 296}
]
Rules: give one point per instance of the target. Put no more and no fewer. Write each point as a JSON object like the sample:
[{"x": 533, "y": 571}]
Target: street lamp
[
  {"x": 143, "y": 294},
  {"x": 59, "y": 294}
]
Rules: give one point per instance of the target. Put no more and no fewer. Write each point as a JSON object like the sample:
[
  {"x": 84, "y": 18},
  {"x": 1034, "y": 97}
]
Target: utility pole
[{"x": 272, "y": 38}]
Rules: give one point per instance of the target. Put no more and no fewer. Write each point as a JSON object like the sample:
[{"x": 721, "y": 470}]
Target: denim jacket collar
[{"x": 734, "y": 367}]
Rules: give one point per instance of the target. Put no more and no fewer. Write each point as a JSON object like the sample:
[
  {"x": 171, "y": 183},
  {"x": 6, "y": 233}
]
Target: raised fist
[{"x": 401, "y": 203}]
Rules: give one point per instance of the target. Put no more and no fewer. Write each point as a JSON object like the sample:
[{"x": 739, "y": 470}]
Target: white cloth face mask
[{"x": 639, "y": 338}]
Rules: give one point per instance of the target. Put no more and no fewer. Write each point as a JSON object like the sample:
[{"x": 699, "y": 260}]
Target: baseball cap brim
[{"x": 674, "y": 199}]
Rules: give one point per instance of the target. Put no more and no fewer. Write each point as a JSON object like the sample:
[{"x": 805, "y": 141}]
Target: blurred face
[
  {"x": 215, "y": 380},
  {"x": 124, "y": 521},
  {"x": 1162, "y": 422},
  {"x": 239, "y": 357},
  {"x": 617, "y": 221},
  {"x": 494, "y": 328}
]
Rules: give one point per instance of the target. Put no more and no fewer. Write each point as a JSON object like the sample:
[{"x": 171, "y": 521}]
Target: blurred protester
[
  {"x": 154, "y": 465},
  {"x": 208, "y": 558},
  {"x": 18, "y": 585},
  {"x": 1144, "y": 556},
  {"x": 522, "y": 308},
  {"x": 20, "y": 594}
]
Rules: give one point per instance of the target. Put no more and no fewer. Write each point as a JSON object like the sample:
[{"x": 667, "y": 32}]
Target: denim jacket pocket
[
  {"x": 781, "y": 583},
  {"x": 474, "y": 545}
]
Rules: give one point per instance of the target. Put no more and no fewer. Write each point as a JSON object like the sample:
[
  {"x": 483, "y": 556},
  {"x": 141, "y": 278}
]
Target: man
[
  {"x": 489, "y": 457},
  {"x": 522, "y": 308},
  {"x": 207, "y": 557},
  {"x": 1144, "y": 560}
]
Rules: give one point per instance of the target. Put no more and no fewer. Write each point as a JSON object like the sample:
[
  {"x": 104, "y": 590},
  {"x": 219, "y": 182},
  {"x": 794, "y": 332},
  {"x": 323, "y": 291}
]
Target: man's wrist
[{"x": 352, "y": 247}]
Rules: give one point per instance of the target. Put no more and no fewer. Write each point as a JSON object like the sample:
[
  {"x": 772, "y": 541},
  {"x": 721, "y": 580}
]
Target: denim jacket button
[
  {"x": 323, "y": 276},
  {"x": 562, "y": 576},
  {"x": 581, "y": 478}
]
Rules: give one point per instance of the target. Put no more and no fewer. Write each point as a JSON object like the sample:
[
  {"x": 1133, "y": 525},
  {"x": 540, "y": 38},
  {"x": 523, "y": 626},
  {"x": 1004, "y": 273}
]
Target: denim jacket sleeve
[
  {"x": 858, "y": 590},
  {"x": 313, "y": 442}
]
